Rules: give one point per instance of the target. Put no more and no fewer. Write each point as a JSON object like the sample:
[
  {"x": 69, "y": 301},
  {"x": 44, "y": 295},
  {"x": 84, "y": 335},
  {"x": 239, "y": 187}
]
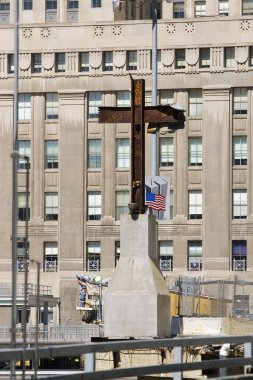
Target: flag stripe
[{"x": 155, "y": 201}]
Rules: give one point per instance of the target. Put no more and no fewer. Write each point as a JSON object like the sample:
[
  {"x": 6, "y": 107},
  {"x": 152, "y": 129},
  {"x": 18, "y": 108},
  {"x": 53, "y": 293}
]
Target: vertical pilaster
[
  {"x": 216, "y": 178},
  {"x": 71, "y": 180}
]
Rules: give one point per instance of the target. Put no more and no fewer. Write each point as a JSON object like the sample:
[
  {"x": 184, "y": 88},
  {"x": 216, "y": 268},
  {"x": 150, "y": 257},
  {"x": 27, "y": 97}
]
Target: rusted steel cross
[{"x": 138, "y": 115}]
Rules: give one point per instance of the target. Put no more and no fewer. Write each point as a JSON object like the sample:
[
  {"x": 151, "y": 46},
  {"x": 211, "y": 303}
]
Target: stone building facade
[{"x": 77, "y": 55}]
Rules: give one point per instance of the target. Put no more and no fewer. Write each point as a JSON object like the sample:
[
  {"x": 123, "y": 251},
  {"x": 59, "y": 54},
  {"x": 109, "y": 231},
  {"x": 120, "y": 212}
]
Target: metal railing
[
  {"x": 51, "y": 265},
  {"x": 239, "y": 265},
  {"x": 166, "y": 264},
  {"x": 6, "y": 289},
  {"x": 195, "y": 264},
  {"x": 93, "y": 265},
  {"x": 176, "y": 344}
]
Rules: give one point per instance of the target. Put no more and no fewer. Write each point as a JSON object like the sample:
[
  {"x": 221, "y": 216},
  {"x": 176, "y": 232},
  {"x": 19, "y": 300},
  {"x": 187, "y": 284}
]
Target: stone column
[
  {"x": 6, "y": 135},
  {"x": 71, "y": 180},
  {"x": 216, "y": 178}
]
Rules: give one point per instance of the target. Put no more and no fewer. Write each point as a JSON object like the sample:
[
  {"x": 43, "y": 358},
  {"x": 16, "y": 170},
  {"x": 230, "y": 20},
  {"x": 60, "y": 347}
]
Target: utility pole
[{"x": 154, "y": 85}]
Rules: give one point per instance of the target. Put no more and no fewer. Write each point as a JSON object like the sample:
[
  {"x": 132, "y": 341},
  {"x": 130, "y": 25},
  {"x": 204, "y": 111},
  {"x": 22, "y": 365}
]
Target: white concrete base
[{"x": 136, "y": 303}]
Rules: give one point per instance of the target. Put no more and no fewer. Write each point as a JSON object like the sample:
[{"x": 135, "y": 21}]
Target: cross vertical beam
[{"x": 138, "y": 144}]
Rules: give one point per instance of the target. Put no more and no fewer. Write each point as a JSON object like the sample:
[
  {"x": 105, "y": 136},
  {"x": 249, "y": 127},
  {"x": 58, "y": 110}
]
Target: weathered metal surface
[{"x": 152, "y": 114}]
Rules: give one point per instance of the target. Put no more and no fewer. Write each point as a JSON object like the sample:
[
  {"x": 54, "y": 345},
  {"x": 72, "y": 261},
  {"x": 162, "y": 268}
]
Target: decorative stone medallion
[
  {"x": 24, "y": 61},
  {"x": 95, "y": 59},
  {"x": 245, "y": 25},
  {"x": 119, "y": 58},
  {"x": 48, "y": 61},
  {"x": 98, "y": 31},
  {"x": 45, "y": 32},
  {"x": 116, "y": 30},
  {"x": 192, "y": 56},
  {"x": 171, "y": 28},
  {"x": 189, "y": 27},
  {"x": 241, "y": 54},
  {"x": 167, "y": 57},
  {"x": 27, "y": 33}
]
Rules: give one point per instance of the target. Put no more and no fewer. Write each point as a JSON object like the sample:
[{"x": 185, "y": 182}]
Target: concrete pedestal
[{"x": 136, "y": 303}]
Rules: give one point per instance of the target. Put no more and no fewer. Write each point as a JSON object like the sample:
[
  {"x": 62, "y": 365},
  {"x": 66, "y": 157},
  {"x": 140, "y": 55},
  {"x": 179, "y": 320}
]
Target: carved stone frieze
[
  {"x": 119, "y": 58},
  {"x": 95, "y": 59}
]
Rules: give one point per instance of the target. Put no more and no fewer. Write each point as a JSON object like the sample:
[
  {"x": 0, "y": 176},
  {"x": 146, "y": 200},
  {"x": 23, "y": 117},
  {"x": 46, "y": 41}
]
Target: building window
[
  {"x": 240, "y": 101},
  {"x": 36, "y": 66},
  {"x": 24, "y": 107},
  {"x": 107, "y": 61},
  {"x": 247, "y": 7},
  {"x": 195, "y": 205},
  {"x": 22, "y": 255},
  {"x": 166, "y": 151},
  {"x": 122, "y": 153},
  {"x": 94, "y": 205},
  {"x": 240, "y": 151},
  {"x": 52, "y": 106},
  {"x": 24, "y": 150},
  {"x": 4, "y": 5},
  {"x": 27, "y": 5},
  {"x": 94, "y": 153},
  {"x": 84, "y": 61},
  {"x": 10, "y": 62},
  {"x": 166, "y": 255},
  {"x": 23, "y": 213},
  {"x": 223, "y": 7},
  {"x": 239, "y": 204},
  {"x": 95, "y": 101},
  {"x": 51, "y": 206},
  {"x": 117, "y": 252},
  {"x": 200, "y": 8},
  {"x": 166, "y": 97},
  {"x": 51, "y": 154},
  {"x": 195, "y": 103},
  {"x": 123, "y": 99},
  {"x": 93, "y": 256},
  {"x": 239, "y": 255},
  {"x": 73, "y": 4},
  {"x": 50, "y": 256},
  {"x": 195, "y": 151},
  {"x": 122, "y": 200},
  {"x": 178, "y": 9},
  {"x": 158, "y": 60},
  {"x": 60, "y": 63},
  {"x": 171, "y": 204},
  {"x": 132, "y": 60},
  {"x": 96, "y": 3},
  {"x": 229, "y": 57},
  {"x": 194, "y": 255},
  {"x": 180, "y": 58},
  {"x": 204, "y": 57},
  {"x": 51, "y": 5}
]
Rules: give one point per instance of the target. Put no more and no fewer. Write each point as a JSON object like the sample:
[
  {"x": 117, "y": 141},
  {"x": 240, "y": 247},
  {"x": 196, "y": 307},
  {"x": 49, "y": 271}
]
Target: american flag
[{"x": 155, "y": 201}]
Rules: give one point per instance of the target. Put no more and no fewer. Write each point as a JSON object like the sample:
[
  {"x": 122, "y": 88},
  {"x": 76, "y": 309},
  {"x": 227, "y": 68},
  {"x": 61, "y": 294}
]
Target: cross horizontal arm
[{"x": 152, "y": 114}]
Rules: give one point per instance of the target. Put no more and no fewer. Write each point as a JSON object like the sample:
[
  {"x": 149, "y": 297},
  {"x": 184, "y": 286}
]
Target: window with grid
[
  {"x": 36, "y": 66},
  {"x": 51, "y": 5},
  {"x": 166, "y": 255},
  {"x": 195, "y": 205},
  {"x": 95, "y": 101},
  {"x": 117, "y": 252},
  {"x": 96, "y": 3},
  {"x": 166, "y": 97},
  {"x": 27, "y": 5},
  {"x": 239, "y": 204},
  {"x": 123, "y": 99},
  {"x": 93, "y": 256},
  {"x": 240, "y": 150},
  {"x": 94, "y": 205},
  {"x": 22, "y": 255},
  {"x": 94, "y": 153},
  {"x": 132, "y": 60},
  {"x": 23, "y": 212},
  {"x": 4, "y": 5},
  {"x": 229, "y": 57},
  {"x": 195, "y": 151},
  {"x": 247, "y": 7},
  {"x": 240, "y": 101},
  {"x": 50, "y": 256},
  {"x": 122, "y": 200},
  {"x": 84, "y": 65},
  {"x": 200, "y": 8},
  {"x": 73, "y": 4},
  {"x": 223, "y": 7},
  {"x": 24, "y": 150},
  {"x": 10, "y": 63},
  {"x": 60, "y": 66},
  {"x": 239, "y": 255},
  {"x": 204, "y": 57},
  {"x": 194, "y": 255},
  {"x": 178, "y": 9},
  {"x": 166, "y": 151},
  {"x": 24, "y": 107},
  {"x": 195, "y": 103},
  {"x": 180, "y": 58},
  {"x": 51, "y": 154},
  {"x": 122, "y": 153},
  {"x": 107, "y": 61},
  {"x": 51, "y": 206},
  {"x": 52, "y": 106}
]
